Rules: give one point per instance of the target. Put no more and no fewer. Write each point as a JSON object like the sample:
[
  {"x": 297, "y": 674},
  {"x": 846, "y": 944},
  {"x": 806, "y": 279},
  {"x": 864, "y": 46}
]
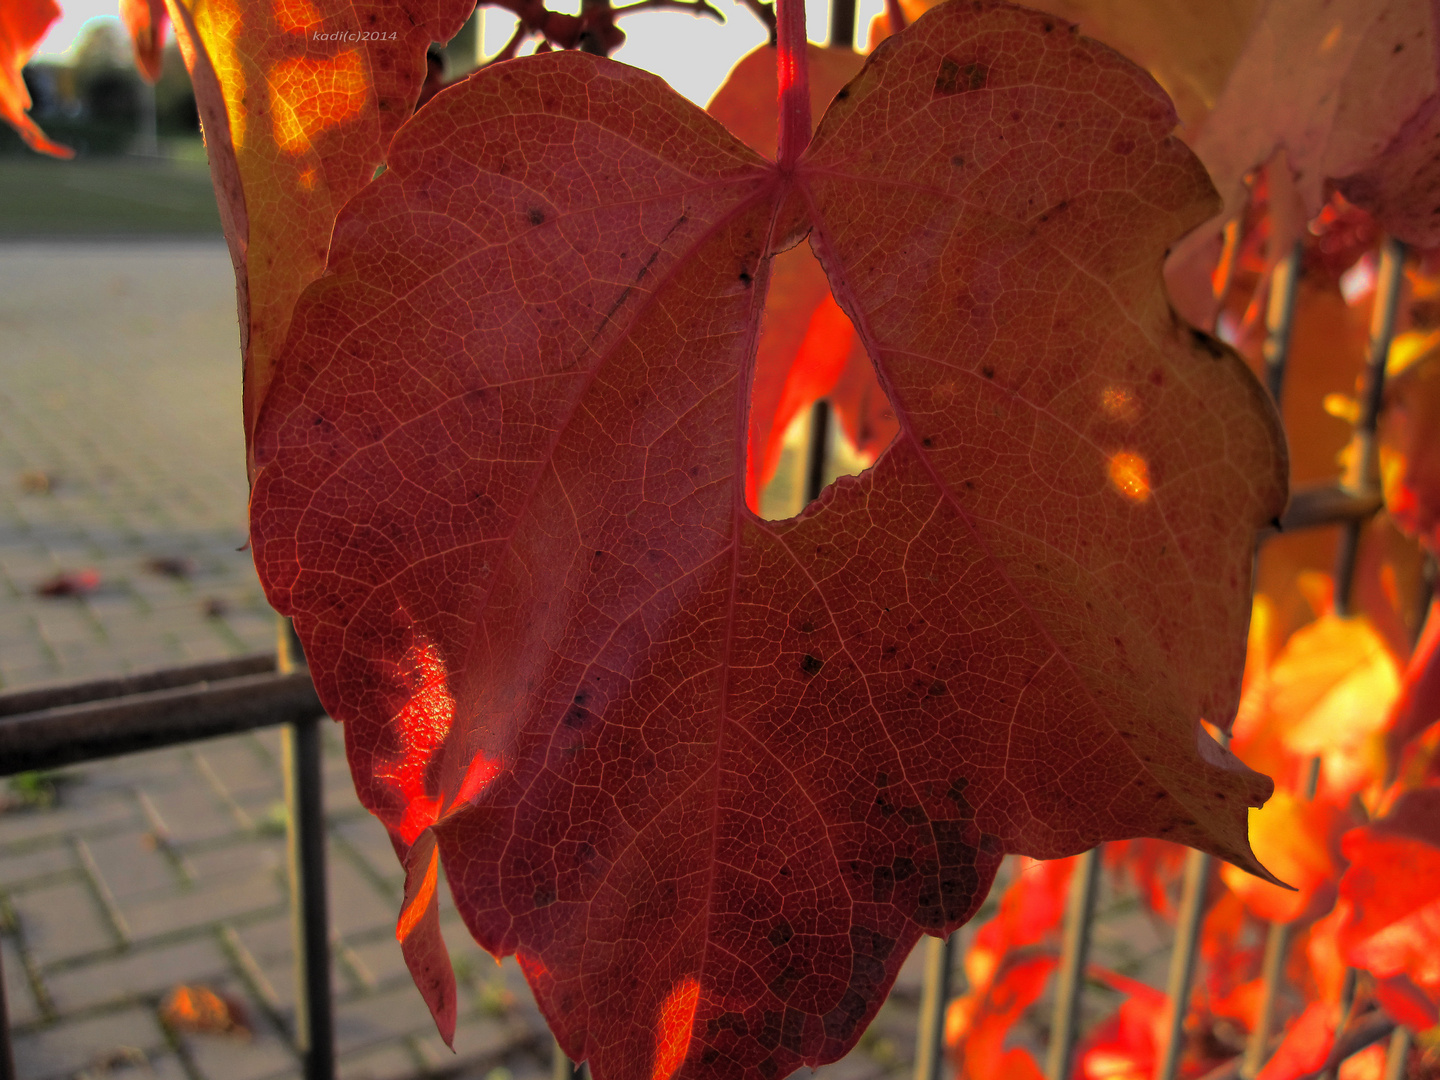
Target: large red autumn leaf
[
  {"x": 710, "y": 776},
  {"x": 299, "y": 100},
  {"x": 23, "y": 24}
]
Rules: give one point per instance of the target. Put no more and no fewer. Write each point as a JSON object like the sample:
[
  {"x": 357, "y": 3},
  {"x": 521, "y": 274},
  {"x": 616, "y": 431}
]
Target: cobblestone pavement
[{"x": 121, "y": 452}]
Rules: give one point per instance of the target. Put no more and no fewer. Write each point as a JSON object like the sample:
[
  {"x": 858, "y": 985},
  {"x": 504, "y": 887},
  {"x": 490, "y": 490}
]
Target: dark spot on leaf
[
  {"x": 988, "y": 371},
  {"x": 957, "y": 161},
  {"x": 781, "y": 934},
  {"x": 537, "y": 216},
  {"x": 745, "y": 278},
  {"x": 882, "y": 780},
  {"x": 843, "y": 94},
  {"x": 956, "y": 78},
  {"x": 544, "y": 895},
  {"x": 811, "y": 664},
  {"x": 937, "y": 688}
]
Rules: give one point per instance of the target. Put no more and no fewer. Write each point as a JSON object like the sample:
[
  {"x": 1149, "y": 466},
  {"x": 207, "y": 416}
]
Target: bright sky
[{"x": 692, "y": 54}]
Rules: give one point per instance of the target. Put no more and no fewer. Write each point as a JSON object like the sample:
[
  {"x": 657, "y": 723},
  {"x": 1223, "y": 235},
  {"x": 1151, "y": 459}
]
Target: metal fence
[
  {"x": 65, "y": 725},
  {"x": 48, "y": 728}
]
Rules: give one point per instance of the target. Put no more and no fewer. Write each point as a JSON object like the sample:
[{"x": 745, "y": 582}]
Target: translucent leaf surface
[
  {"x": 298, "y": 100},
  {"x": 23, "y": 24},
  {"x": 711, "y": 776}
]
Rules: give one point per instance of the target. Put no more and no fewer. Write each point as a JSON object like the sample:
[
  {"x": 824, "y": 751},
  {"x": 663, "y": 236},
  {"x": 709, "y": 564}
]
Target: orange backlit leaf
[
  {"x": 23, "y": 24},
  {"x": 145, "y": 21},
  {"x": 510, "y": 422},
  {"x": 308, "y": 96},
  {"x": 1298, "y": 841},
  {"x": 1328, "y": 694},
  {"x": 1392, "y": 890},
  {"x": 297, "y": 114}
]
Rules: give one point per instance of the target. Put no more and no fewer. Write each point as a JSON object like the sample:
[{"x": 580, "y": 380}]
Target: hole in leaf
[{"x": 808, "y": 352}]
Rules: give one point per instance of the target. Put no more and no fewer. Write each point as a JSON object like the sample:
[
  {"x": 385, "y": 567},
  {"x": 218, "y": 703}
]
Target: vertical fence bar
[
  {"x": 1074, "y": 955},
  {"x": 1280, "y": 318},
  {"x": 305, "y": 847},
  {"x": 7, "y": 1056},
  {"x": 842, "y": 24},
  {"x": 1272, "y": 974},
  {"x": 817, "y": 450},
  {"x": 1397, "y": 1054},
  {"x": 1362, "y": 476},
  {"x": 934, "y": 997},
  {"x": 1198, "y": 869}
]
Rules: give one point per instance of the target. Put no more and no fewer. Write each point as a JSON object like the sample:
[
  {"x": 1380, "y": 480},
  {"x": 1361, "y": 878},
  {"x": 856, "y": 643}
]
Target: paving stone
[
  {"x": 249, "y": 857},
  {"x": 103, "y": 812},
  {"x": 363, "y": 906},
  {"x": 388, "y": 1015},
  {"x": 132, "y": 864},
  {"x": 191, "y": 813},
  {"x": 61, "y": 921},
  {"x": 367, "y": 837},
  {"x": 205, "y": 904},
  {"x": 20, "y": 1004},
  {"x": 239, "y": 765},
  {"x": 475, "y": 1037},
  {"x": 19, "y": 867},
  {"x": 267, "y": 938},
  {"x": 140, "y": 973},
  {"x": 63, "y": 1049},
  {"x": 383, "y": 1063}
]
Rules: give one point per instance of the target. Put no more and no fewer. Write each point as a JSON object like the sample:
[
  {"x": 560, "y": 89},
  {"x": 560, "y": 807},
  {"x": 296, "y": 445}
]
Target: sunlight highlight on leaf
[
  {"x": 296, "y": 16},
  {"x": 1131, "y": 476},
  {"x": 416, "y": 906},
  {"x": 307, "y": 96},
  {"x": 677, "y": 1020}
]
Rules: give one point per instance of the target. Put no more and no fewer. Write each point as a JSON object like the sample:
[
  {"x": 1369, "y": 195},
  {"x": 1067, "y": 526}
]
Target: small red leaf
[
  {"x": 146, "y": 21},
  {"x": 70, "y": 583},
  {"x": 23, "y": 24},
  {"x": 1393, "y": 889}
]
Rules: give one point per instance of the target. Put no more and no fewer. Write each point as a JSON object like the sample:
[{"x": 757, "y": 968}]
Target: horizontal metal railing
[{"x": 54, "y": 726}]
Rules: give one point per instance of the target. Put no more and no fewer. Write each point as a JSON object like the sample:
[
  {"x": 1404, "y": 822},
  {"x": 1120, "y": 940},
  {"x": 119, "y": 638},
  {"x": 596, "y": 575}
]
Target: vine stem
[{"x": 794, "y": 70}]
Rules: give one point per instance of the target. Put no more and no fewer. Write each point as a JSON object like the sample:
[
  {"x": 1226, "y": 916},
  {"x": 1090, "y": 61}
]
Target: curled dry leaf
[
  {"x": 69, "y": 583},
  {"x": 200, "y": 1009},
  {"x": 711, "y": 777},
  {"x": 298, "y": 107},
  {"x": 23, "y": 24}
]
